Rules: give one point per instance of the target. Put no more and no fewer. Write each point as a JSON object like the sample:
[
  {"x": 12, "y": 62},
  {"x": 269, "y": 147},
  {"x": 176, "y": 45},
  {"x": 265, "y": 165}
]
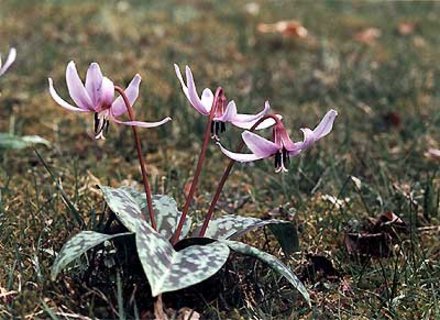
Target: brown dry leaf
[
  {"x": 287, "y": 28},
  {"x": 388, "y": 222},
  {"x": 346, "y": 287},
  {"x": 188, "y": 314},
  {"x": 320, "y": 267},
  {"x": 187, "y": 188},
  {"x": 433, "y": 153},
  {"x": 370, "y": 244},
  {"x": 406, "y": 28},
  {"x": 7, "y": 296},
  {"x": 392, "y": 119},
  {"x": 389, "y": 217},
  {"x": 368, "y": 36}
]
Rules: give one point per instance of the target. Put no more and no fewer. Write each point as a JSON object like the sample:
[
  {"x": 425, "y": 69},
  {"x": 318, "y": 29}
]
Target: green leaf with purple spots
[
  {"x": 169, "y": 270},
  {"x": 124, "y": 206},
  {"x": 78, "y": 245},
  {"x": 273, "y": 262},
  {"x": 130, "y": 206},
  {"x": 232, "y": 226}
]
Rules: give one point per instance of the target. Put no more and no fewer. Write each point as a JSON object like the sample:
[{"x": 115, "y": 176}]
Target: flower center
[
  {"x": 101, "y": 124},
  {"x": 218, "y": 127},
  {"x": 281, "y": 160}
]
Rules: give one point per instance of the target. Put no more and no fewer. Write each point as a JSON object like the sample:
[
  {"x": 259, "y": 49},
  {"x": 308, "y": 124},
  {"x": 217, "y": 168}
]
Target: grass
[{"x": 387, "y": 96}]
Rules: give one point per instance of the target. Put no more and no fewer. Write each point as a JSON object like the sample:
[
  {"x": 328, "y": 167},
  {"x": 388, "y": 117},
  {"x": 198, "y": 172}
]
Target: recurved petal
[
  {"x": 62, "y": 102},
  {"x": 326, "y": 124},
  {"x": 253, "y": 117},
  {"x": 229, "y": 114},
  {"x": 141, "y": 123},
  {"x": 77, "y": 91},
  {"x": 240, "y": 157},
  {"x": 259, "y": 145},
  {"x": 267, "y": 123},
  {"x": 9, "y": 60},
  {"x": 94, "y": 83},
  {"x": 182, "y": 82},
  {"x": 132, "y": 93},
  {"x": 192, "y": 94},
  {"x": 321, "y": 130}
]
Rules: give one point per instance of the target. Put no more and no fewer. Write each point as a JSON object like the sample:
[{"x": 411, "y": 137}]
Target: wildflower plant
[{"x": 175, "y": 251}]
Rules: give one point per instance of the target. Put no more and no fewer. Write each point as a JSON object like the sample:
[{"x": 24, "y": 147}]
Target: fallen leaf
[
  {"x": 252, "y": 8},
  {"x": 287, "y": 28},
  {"x": 187, "y": 188},
  {"x": 188, "y": 314},
  {"x": 338, "y": 203},
  {"x": 392, "y": 119},
  {"x": 371, "y": 244},
  {"x": 388, "y": 222},
  {"x": 319, "y": 267},
  {"x": 433, "y": 153},
  {"x": 406, "y": 28},
  {"x": 346, "y": 287},
  {"x": 368, "y": 36},
  {"x": 357, "y": 182}
]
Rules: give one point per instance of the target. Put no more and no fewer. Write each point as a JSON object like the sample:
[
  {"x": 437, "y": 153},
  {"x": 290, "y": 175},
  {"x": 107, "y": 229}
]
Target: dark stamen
[
  {"x": 277, "y": 160},
  {"x": 96, "y": 122},
  {"x": 222, "y": 127},
  {"x": 212, "y": 127},
  {"x": 285, "y": 156}
]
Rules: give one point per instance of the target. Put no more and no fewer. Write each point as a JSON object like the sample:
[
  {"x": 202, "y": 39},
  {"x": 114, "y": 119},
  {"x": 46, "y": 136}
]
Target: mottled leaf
[
  {"x": 130, "y": 206},
  {"x": 77, "y": 246},
  {"x": 232, "y": 226},
  {"x": 124, "y": 206},
  {"x": 9, "y": 141},
  {"x": 272, "y": 261},
  {"x": 168, "y": 270}
]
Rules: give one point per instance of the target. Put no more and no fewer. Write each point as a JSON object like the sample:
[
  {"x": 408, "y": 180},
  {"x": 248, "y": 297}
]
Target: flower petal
[
  {"x": 94, "y": 83},
  {"x": 207, "y": 98},
  {"x": 253, "y": 117},
  {"x": 106, "y": 92},
  {"x": 203, "y": 106},
  {"x": 77, "y": 91},
  {"x": 321, "y": 130},
  {"x": 240, "y": 157},
  {"x": 9, "y": 60},
  {"x": 259, "y": 145},
  {"x": 132, "y": 93},
  {"x": 229, "y": 113},
  {"x": 246, "y": 121},
  {"x": 142, "y": 124},
  {"x": 62, "y": 102},
  {"x": 326, "y": 124},
  {"x": 192, "y": 94}
]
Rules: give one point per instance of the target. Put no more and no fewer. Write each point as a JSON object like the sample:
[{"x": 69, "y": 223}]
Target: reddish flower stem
[
  {"x": 137, "y": 141},
  {"x": 202, "y": 155},
  {"x": 225, "y": 176}
]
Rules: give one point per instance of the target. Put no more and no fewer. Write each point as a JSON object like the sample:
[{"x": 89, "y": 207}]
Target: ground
[{"x": 374, "y": 62}]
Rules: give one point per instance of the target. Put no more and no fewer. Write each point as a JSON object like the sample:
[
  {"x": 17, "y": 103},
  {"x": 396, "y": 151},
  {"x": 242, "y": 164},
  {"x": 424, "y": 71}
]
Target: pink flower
[
  {"x": 9, "y": 60},
  {"x": 97, "y": 96},
  {"x": 282, "y": 147},
  {"x": 225, "y": 112}
]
